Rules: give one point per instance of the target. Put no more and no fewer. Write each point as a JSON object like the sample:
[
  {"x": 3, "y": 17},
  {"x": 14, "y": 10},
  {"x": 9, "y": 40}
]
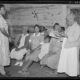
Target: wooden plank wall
[{"x": 21, "y": 15}]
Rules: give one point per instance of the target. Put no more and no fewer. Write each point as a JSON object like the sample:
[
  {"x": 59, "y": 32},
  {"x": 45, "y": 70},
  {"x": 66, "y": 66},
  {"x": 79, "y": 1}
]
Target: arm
[
  {"x": 73, "y": 38},
  {"x": 4, "y": 32},
  {"x": 39, "y": 47},
  {"x": 74, "y": 34},
  {"x": 63, "y": 35},
  {"x": 26, "y": 44}
]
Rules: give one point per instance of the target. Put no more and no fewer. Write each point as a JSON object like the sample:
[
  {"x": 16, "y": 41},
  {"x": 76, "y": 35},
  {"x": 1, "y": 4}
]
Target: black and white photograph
[{"x": 39, "y": 40}]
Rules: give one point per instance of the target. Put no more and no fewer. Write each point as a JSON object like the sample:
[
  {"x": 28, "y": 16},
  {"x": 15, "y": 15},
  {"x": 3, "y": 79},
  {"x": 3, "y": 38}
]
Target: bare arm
[{"x": 4, "y": 32}]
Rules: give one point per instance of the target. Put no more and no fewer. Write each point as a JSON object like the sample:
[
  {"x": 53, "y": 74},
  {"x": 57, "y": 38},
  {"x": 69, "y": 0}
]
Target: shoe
[
  {"x": 20, "y": 64},
  {"x": 17, "y": 63},
  {"x": 2, "y": 72}
]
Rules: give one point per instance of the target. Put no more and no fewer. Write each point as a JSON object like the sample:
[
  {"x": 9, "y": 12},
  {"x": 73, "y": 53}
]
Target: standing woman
[
  {"x": 69, "y": 61},
  {"x": 4, "y": 43},
  {"x": 52, "y": 58}
]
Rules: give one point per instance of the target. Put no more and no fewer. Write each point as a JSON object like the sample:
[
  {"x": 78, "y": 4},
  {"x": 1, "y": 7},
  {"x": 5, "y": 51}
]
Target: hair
[
  {"x": 1, "y": 5},
  {"x": 72, "y": 14},
  {"x": 55, "y": 25},
  {"x": 28, "y": 31},
  {"x": 47, "y": 37},
  {"x": 62, "y": 28},
  {"x": 37, "y": 26}
]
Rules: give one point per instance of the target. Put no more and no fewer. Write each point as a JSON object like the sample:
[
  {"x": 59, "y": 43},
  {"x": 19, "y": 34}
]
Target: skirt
[
  {"x": 18, "y": 55},
  {"x": 69, "y": 61}
]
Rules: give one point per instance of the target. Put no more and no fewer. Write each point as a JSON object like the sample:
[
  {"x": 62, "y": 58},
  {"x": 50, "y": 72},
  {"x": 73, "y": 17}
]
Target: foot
[
  {"x": 17, "y": 63},
  {"x": 23, "y": 72},
  {"x": 20, "y": 64}
]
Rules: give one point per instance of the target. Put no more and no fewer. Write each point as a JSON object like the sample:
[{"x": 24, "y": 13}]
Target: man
[
  {"x": 4, "y": 41},
  {"x": 69, "y": 61}
]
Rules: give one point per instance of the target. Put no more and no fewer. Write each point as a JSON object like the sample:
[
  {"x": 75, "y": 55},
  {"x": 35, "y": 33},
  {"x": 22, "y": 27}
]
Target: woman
[
  {"x": 4, "y": 43},
  {"x": 69, "y": 61},
  {"x": 52, "y": 58},
  {"x": 22, "y": 49},
  {"x": 35, "y": 40}
]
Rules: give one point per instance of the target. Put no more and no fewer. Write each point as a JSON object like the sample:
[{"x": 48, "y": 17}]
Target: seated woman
[
  {"x": 23, "y": 48},
  {"x": 52, "y": 58},
  {"x": 44, "y": 47},
  {"x": 35, "y": 40}
]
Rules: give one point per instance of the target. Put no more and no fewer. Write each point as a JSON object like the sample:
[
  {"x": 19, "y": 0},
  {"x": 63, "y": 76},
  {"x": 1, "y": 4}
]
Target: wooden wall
[{"x": 31, "y": 14}]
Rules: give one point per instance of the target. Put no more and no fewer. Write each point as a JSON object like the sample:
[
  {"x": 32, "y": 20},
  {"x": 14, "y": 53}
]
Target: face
[
  {"x": 36, "y": 29},
  {"x": 70, "y": 19},
  {"x": 57, "y": 27},
  {"x": 3, "y": 11}
]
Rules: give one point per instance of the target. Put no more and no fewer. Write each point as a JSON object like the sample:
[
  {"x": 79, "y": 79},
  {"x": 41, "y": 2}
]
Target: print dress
[{"x": 4, "y": 44}]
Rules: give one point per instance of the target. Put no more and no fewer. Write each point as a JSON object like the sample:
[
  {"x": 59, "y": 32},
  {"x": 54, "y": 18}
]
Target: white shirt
[
  {"x": 44, "y": 50},
  {"x": 22, "y": 41}
]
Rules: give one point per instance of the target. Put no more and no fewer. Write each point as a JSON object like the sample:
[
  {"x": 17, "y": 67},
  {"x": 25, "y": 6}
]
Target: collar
[
  {"x": 25, "y": 34},
  {"x": 37, "y": 34}
]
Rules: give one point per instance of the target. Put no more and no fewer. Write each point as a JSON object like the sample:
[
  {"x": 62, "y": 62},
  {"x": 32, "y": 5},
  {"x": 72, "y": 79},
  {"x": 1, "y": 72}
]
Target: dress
[
  {"x": 35, "y": 41},
  {"x": 52, "y": 58},
  {"x": 18, "y": 55},
  {"x": 69, "y": 57},
  {"x": 4, "y": 44},
  {"x": 44, "y": 50}
]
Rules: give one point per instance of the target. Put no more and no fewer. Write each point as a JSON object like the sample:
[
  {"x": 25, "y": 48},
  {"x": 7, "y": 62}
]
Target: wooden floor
[{"x": 35, "y": 71}]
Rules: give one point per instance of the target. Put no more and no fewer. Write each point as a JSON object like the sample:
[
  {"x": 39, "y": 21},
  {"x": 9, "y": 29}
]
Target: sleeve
[
  {"x": 42, "y": 43},
  {"x": 3, "y": 25},
  {"x": 74, "y": 34},
  {"x": 51, "y": 34}
]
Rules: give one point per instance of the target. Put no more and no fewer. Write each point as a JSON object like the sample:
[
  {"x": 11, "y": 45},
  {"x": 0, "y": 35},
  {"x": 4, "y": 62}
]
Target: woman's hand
[
  {"x": 10, "y": 40},
  {"x": 64, "y": 35}
]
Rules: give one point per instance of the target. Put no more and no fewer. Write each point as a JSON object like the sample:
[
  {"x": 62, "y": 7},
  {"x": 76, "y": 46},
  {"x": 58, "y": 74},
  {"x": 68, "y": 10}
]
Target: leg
[
  {"x": 25, "y": 68},
  {"x": 2, "y": 71}
]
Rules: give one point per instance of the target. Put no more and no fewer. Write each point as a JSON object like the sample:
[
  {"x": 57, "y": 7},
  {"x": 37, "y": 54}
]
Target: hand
[
  {"x": 10, "y": 40},
  {"x": 28, "y": 52}
]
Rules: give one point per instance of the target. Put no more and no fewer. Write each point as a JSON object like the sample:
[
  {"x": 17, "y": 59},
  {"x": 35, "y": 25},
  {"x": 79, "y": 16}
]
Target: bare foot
[
  {"x": 2, "y": 72},
  {"x": 24, "y": 72}
]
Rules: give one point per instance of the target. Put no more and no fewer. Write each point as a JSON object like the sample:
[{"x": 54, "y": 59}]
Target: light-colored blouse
[
  {"x": 36, "y": 40},
  {"x": 73, "y": 33}
]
